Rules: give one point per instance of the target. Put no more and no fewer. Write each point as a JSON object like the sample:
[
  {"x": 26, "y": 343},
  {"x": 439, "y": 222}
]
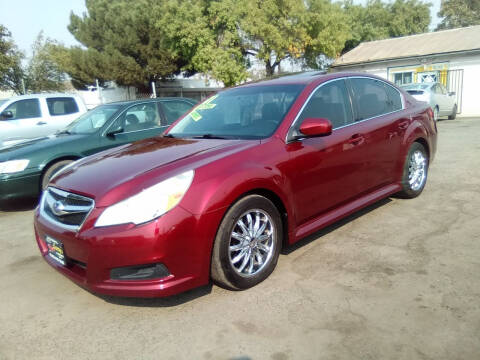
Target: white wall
[{"x": 471, "y": 75}]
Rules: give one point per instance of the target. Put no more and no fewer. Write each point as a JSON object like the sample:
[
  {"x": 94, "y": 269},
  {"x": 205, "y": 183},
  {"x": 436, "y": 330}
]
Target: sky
[{"x": 26, "y": 18}]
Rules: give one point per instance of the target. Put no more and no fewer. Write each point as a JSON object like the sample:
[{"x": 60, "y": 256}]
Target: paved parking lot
[{"x": 399, "y": 280}]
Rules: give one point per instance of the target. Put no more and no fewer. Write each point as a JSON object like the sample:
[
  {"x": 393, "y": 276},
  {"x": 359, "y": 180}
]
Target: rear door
[
  {"x": 61, "y": 112},
  {"x": 382, "y": 122},
  {"x": 174, "y": 108},
  {"x": 24, "y": 123}
]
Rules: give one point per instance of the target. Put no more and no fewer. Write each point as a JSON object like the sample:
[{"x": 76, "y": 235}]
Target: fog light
[{"x": 139, "y": 272}]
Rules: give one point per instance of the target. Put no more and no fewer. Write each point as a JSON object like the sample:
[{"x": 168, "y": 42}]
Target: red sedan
[{"x": 247, "y": 172}]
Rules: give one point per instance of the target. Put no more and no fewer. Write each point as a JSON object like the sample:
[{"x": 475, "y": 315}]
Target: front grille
[{"x": 65, "y": 208}]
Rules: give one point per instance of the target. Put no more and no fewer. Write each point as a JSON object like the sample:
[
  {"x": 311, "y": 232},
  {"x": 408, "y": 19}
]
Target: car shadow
[
  {"x": 18, "y": 205},
  {"x": 169, "y": 301},
  {"x": 326, "y": 230},
  {"x": 196, "y": 293}
]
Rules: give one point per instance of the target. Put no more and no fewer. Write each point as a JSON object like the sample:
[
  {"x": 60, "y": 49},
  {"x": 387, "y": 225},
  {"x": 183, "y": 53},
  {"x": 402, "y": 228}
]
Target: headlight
[
  {"x": 148, "y": 204},
  {"x": 13, "y": 166}
]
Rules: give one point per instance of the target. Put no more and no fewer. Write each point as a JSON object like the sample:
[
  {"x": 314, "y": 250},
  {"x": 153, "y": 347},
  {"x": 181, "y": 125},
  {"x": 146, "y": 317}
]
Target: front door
[
  {"x": 328, "y": 170},
  {"x": 138, "y": 122},
  {"x": 23, "y": 125}
]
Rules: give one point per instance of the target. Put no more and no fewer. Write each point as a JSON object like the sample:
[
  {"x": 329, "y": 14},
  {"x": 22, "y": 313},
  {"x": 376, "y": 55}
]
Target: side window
[
  {"x": 25, "y": 109},
  {"x": 140, "y": 117},
  {"x": 394, "y": 98},
  {"x": 330, "y": 101},
  {"x": 62, "y": 106},
  {"x": 370, "y": 98},
  {"x": 173, "y": 109}
]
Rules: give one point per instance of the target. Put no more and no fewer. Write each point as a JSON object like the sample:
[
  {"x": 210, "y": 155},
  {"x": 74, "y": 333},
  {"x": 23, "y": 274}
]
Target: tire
[
  {"x": 454, "y": 113},
  {"x": 51, "y": 170},
  {"x": 229, "y": 268},
  {"x": 415, "y": 171},
  {"x": 435, "y": 113}
]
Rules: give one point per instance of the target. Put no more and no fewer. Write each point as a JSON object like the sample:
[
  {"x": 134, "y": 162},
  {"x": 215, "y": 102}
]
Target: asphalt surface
[{"x": 399, "y": 280}]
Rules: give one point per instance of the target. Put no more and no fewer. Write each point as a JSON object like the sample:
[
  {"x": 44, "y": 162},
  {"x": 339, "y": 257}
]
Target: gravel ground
[{"x": 399, "y": 280}]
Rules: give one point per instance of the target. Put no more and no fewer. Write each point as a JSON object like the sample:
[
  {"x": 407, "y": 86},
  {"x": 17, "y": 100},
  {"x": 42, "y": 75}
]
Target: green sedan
[{"x": 26, "y": 168}]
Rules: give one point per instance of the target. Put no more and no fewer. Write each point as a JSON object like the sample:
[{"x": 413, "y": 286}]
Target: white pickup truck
[{"x": 31, "y": 116}]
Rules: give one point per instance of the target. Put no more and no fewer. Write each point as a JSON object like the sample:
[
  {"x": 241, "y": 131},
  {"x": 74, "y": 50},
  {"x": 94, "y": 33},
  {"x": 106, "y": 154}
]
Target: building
[{"x": 451, "y": 57}]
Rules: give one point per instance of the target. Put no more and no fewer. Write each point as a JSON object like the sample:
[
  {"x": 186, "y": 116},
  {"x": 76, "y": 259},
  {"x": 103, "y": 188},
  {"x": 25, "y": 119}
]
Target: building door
[{"x": 455, "y": 84}]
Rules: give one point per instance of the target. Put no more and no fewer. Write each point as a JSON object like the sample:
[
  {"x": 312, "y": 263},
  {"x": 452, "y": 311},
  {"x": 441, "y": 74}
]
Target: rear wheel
[
  {"x": 435, "y": 113},
  {"x": 415, "y": 171},
  {"x": 247, "y": 244},
  {"x": 52, "y": 170},
  {"x": 454, "y": 113}
]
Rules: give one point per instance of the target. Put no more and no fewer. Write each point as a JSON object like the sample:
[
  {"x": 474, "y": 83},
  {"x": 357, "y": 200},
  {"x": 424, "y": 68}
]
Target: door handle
[
  {"x": 403, "y": 125},
  {"x": 41, "y": 123},
  {"x": 356, "y": 139}
]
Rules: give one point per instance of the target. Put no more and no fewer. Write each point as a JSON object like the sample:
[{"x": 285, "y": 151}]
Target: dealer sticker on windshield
[{"x": 55, "y": 250}]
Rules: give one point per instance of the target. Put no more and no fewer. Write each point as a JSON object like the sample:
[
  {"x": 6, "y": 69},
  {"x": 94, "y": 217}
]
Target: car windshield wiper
[
  {"x": 208, "y": 136},
  {"x": 169, "y": 136}
]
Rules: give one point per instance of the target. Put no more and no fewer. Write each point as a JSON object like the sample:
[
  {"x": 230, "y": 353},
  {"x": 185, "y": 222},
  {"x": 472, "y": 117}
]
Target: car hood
[
  {"x": 28, "y": 148},
  {"x": 115, "y": 174}
]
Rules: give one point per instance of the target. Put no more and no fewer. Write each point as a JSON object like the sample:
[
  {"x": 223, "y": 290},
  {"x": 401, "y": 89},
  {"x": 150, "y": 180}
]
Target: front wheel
[
  {"x": 52, "y": 170},
  {"x": 415, "y": 171},
  {"x": 247, "y": 244}
]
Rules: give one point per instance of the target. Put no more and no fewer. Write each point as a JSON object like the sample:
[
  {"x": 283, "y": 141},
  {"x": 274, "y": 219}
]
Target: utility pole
[{"x": 154, "y": 90}]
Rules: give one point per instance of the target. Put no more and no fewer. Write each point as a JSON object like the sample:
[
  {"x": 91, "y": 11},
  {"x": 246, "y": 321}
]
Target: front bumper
[
  {"x": 182, "y": 242},
  {"x": 16, "y": 187}
]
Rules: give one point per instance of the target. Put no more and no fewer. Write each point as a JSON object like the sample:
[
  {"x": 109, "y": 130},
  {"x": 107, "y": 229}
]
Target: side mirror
[
  {"x": 6, "y": 115},
  {"x": 112, "y": 133},
  {"x": 451, "y": 93},
  {"x": 313, "y": 127}
]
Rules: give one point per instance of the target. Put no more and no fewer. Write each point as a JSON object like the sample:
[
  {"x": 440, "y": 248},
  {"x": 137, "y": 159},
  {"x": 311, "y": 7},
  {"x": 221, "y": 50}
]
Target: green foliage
[
  {"x": 204, "y": 34},
  {"x": 378, "y": 20},
  {"x": 274, "y": 30},
  {"x": 122, "y": 43},
  {"x": 43, "y": 72},
  {"x": 11, "y": 71},
  {"x": 459, "y": 13}
]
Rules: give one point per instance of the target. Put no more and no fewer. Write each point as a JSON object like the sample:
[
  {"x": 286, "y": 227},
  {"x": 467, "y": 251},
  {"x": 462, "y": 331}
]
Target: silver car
[
  {"x": 443, "y": 103},
  {"x": 36, "y": 115}
]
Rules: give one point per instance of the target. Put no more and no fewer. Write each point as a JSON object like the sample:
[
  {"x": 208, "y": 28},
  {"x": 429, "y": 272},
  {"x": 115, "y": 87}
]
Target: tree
[
  {"x": 121, "y": 42},
  {"x": 275, "y": 30},
  {"x": 43, "y": 73},
  {"x": 378, "y": 20},
  {"x": 11, "y": 71},
  {"x": 459, "y": 13},
  {"x": 204, "y": 34}
]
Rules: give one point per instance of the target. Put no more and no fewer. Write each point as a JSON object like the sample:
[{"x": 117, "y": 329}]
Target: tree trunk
[{"x": 269, "y": 69}]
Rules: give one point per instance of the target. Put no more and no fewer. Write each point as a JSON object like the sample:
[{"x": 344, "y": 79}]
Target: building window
[{"x": 403, "y": 78}]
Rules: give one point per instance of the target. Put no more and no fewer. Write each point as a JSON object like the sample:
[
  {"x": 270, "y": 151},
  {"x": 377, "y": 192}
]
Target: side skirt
[{"x": 343, "y": 211}]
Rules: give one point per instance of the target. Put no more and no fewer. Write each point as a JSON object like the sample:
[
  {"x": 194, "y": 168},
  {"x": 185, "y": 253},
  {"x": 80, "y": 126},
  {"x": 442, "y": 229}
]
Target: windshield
[
  {"x": 241, "y": 113},
  {"x": 92, "y": 120}
]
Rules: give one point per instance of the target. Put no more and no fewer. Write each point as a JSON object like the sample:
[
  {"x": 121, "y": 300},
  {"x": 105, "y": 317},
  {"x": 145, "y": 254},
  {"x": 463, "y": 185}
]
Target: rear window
[{"x": 62, "y": 106}]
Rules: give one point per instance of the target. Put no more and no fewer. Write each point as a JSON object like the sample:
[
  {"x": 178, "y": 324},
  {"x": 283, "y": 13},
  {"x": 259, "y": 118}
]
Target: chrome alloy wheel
[
  {"x": 251, "y": 242},
  {"x": 417, "y": 170}
]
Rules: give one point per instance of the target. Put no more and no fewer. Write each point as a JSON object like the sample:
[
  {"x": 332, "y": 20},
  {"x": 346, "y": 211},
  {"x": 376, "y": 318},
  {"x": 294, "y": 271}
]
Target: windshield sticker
[
  {"x": 195, "y": 116},
  {"x": 207, "y": 105}
]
